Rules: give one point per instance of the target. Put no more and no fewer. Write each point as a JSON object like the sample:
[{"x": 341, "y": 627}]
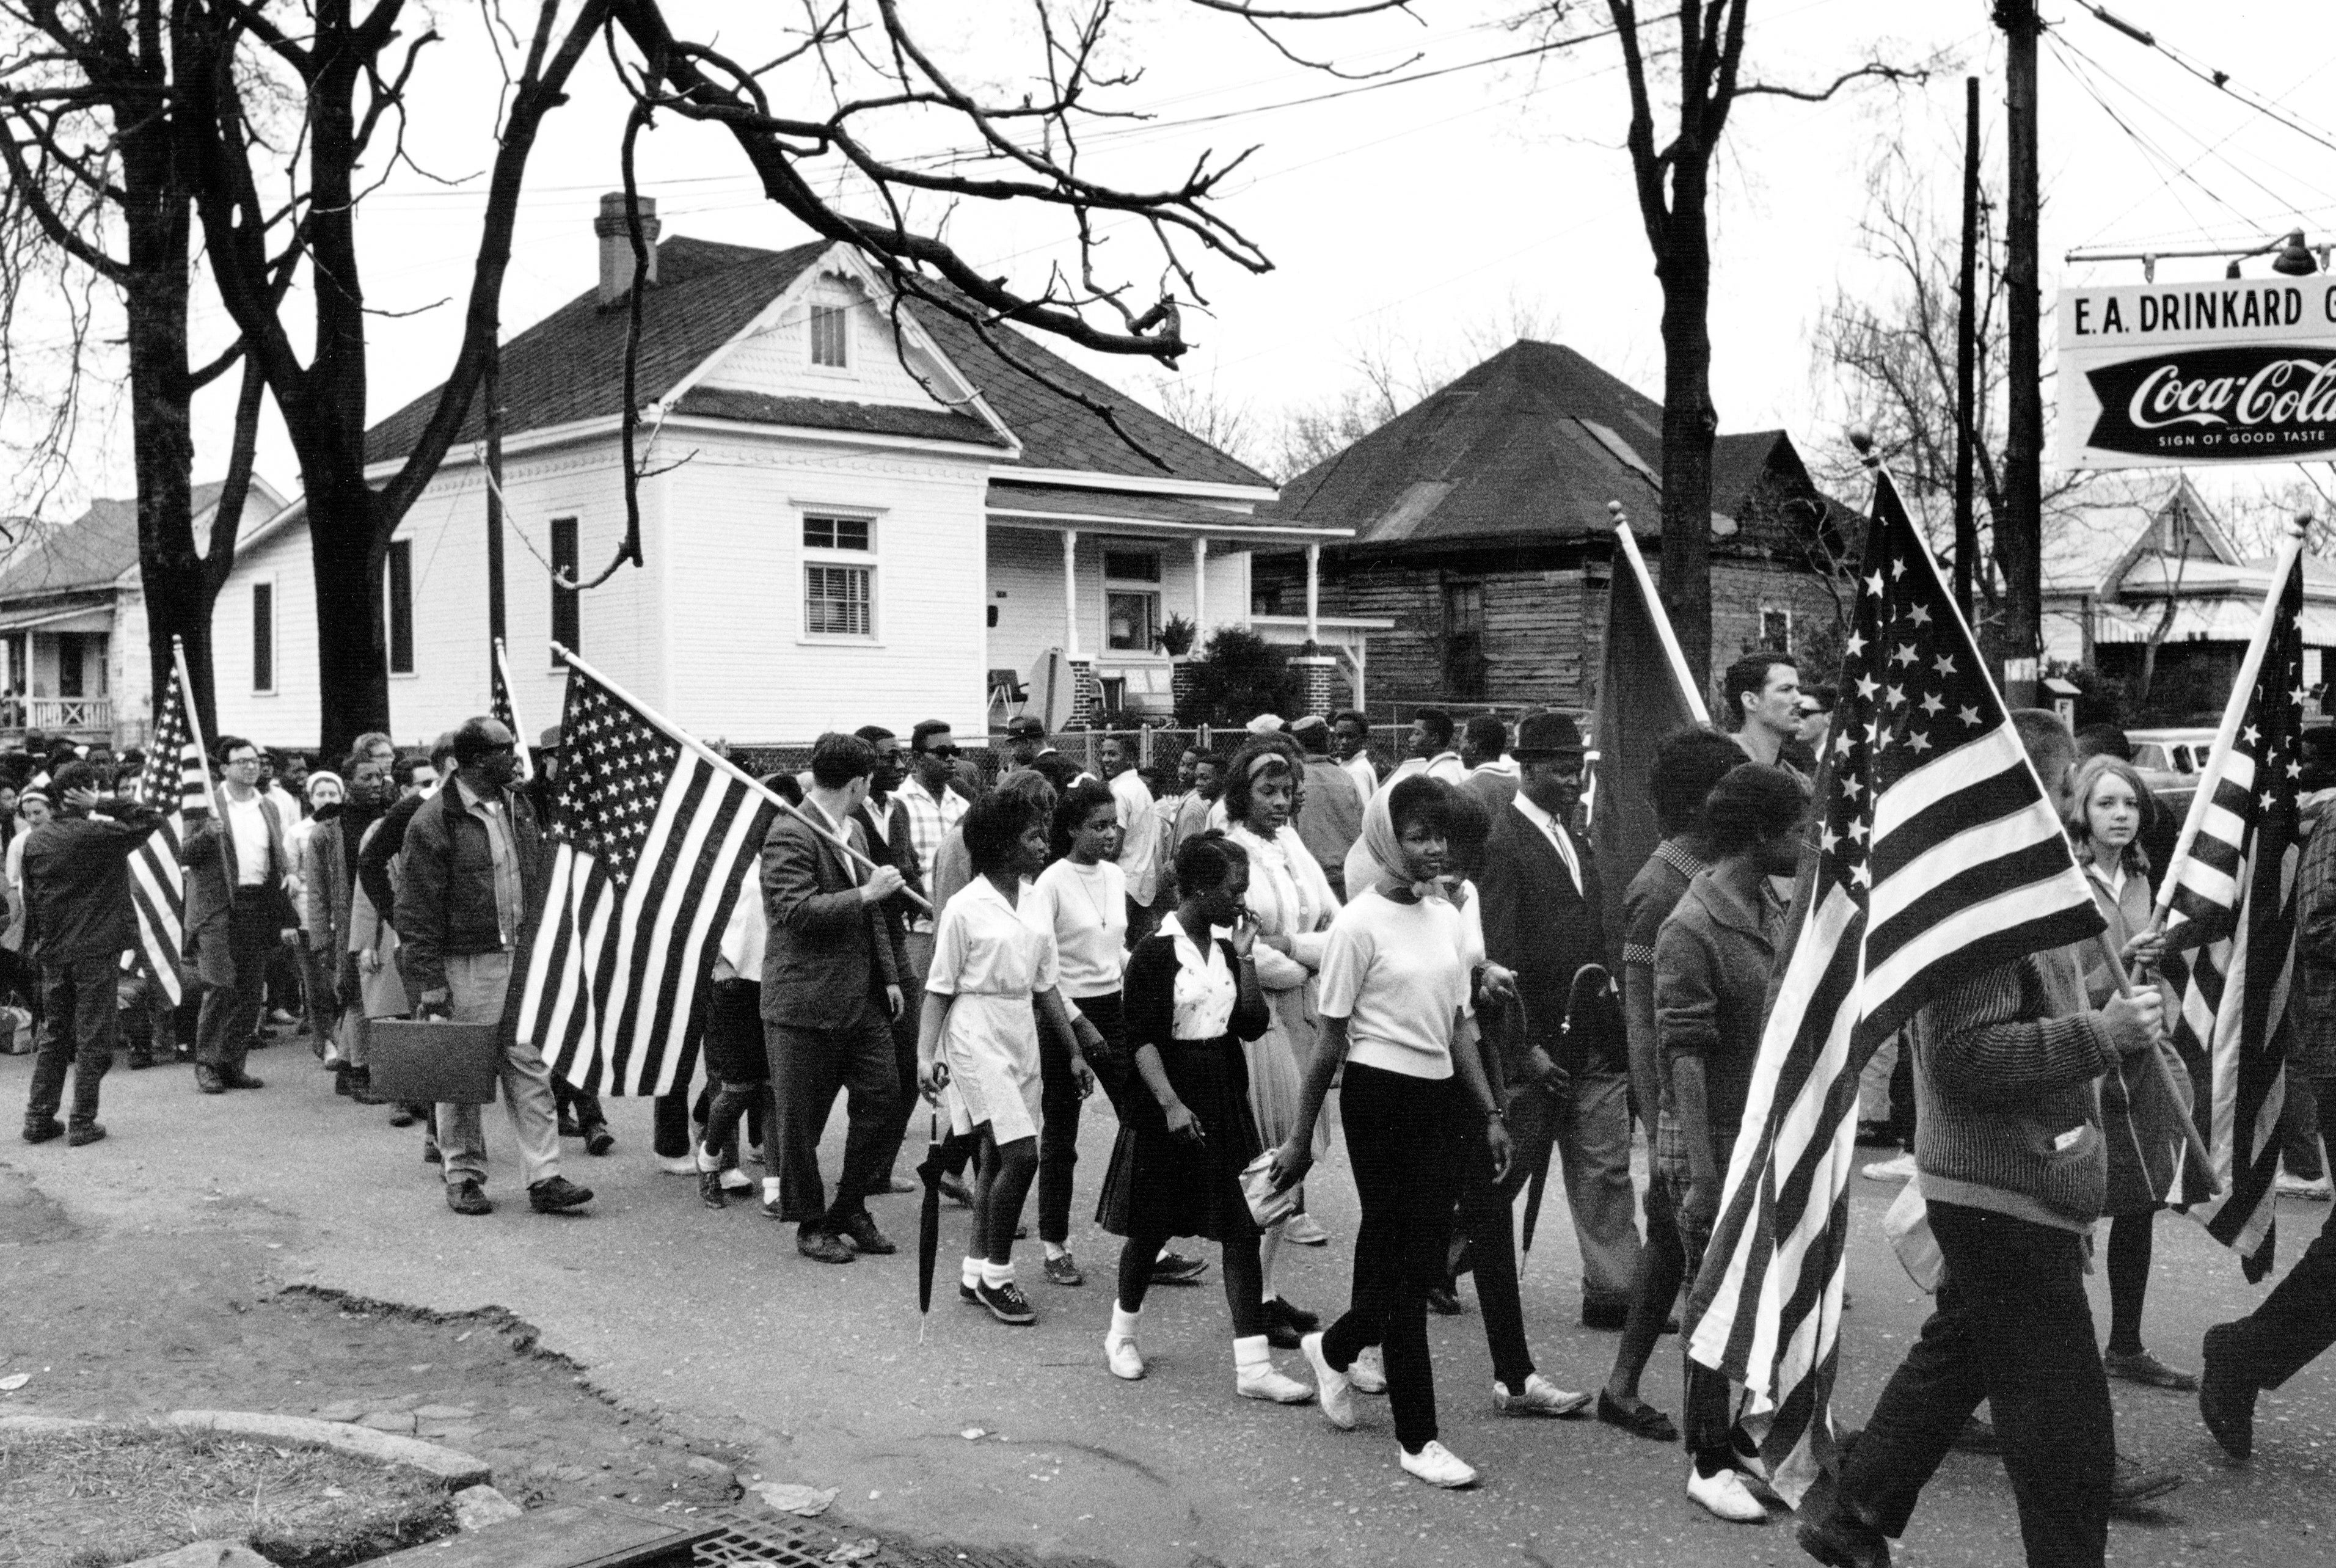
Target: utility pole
[
  {"x": 2020, "y": 532},
  {"x": 491, "y": 387},
  {"x": 1966, "y": 357}
]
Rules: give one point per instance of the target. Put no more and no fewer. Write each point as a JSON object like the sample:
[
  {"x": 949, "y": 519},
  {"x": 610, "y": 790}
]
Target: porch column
[
  {"x": 1070, "y": 593},
  {"x": 1313, "y": 593},
  {"x": 1200, "y": 587}
]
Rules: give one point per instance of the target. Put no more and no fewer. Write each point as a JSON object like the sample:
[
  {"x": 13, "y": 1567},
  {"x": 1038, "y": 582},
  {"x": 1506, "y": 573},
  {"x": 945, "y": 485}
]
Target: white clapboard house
[{"x": 843, "y": 526}]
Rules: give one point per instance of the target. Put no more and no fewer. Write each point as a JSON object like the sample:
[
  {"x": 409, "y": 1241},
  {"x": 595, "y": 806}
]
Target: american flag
[
  {"x": 176, "y": 782},
  {"x": 1939, "y": 858},
  {"x": 499, "y": 705},
  {"x": 650, "y": 840},
  {"x": 2233, "y": 900}
]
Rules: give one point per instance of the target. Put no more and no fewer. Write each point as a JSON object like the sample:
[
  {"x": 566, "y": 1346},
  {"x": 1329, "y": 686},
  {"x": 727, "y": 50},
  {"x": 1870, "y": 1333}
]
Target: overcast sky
[{"x": 1407, "y": 216}]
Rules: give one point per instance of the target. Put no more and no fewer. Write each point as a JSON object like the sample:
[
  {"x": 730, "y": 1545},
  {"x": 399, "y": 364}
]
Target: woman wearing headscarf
[
  {"x": 1291, "y": 902},
  {"x": 1394, "y": 1004}
]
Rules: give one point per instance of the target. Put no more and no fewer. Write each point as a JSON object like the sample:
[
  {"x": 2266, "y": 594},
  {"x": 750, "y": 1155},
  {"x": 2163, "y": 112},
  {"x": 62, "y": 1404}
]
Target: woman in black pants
[
  {"x": 1193, "y": 1000},
  {"x": 1394, "y": 1002}
]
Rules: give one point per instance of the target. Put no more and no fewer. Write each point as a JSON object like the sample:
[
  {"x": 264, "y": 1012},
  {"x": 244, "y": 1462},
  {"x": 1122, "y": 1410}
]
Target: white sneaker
[
  {"x": 1306, "y": 1231},
  {"x": 1437, "y": 1465},
  {"x": 1263, "y": 1382},
  {"x": 678, "y": 1164},
  {"x": 1726, "y": 1497},
  {"x": 1120, "y": 1354},
  {"x": 1539, "y": 1397},
  {"x": 1369, "y": 1374},
  {"x": 735, "y": 1180},
  {"x": 1900, "y": 1168},
  {"x": 1331, "y": 1386}
]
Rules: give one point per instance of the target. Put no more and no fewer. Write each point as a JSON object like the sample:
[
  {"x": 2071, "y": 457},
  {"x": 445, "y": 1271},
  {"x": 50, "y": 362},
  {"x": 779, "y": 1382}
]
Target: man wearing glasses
[
  {"x": 472, "y": 852},
  {"x": 237, "y": 878}
]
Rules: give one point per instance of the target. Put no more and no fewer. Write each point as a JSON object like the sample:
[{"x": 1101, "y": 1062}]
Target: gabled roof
[
  {"x": 95, "y": 550},
  {"x": 568, "y": 367},
  {"x": 1530, "y": 445},
  {"x": 2096, "y": 546}
]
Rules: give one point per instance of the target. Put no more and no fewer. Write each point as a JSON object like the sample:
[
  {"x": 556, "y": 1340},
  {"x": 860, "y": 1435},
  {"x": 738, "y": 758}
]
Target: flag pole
[
  {"x": 1689, "y": 685},
  {"x": 2234, "y": 711},
  {"x": 2165, "y": 1075},
  {"x": 195, "y": 723},
  {"x": 715, "y": 759},
  {"x": 511, "y": 703}
]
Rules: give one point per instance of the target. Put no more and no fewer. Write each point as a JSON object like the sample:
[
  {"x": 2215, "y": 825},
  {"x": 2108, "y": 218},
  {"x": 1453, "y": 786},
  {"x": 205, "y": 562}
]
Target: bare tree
[
  {"x": 1204, "y": 408},
  {"x": 346, "y": 76},
  {"x": 1674, "y": 190},
  {"x": 96, "y": 199}
]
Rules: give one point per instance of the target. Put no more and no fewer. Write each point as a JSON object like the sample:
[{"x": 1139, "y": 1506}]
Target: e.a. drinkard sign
[{"x": 2239, "y": 370}]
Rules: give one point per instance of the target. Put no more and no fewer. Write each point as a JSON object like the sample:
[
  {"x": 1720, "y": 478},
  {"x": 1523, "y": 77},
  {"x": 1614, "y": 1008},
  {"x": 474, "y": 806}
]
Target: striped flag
[
  {"x": 177, "y": 782},
  {"x": 2232, "y": 900},
  {"x": 505, "y": 712},
  {"x": 650, "y": 838},
  {"x": 1939, "y": 858}
]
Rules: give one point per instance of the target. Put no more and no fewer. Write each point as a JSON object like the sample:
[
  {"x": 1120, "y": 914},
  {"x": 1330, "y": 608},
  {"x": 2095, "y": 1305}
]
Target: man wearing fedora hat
[{"x": 1569, "y": 1086}]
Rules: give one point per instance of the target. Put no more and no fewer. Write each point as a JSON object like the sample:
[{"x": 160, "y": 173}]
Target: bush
[{"x": 1238, "y": 676}]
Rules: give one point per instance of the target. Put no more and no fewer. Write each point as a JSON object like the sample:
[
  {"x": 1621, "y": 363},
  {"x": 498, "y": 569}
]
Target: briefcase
[{"x": 412, "y": 1063}]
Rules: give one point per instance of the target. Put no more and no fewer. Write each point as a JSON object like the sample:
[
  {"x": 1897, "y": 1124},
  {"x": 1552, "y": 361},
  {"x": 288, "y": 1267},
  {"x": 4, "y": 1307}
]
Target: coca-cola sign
[
  {"x": 2239, "y": 370},
  {"x": 2205, "y": 405}
]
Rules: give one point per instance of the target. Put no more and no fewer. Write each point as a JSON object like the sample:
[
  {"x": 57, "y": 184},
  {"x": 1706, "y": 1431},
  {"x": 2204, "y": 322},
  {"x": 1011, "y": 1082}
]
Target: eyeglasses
[
  {"x": 243, "y": 762},
  {"x": 946, "y": 752}
]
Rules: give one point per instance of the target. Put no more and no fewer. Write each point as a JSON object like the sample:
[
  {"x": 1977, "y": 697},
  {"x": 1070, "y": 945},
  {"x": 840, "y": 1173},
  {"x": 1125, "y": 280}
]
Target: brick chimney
[{"x": 616, "y": 246}]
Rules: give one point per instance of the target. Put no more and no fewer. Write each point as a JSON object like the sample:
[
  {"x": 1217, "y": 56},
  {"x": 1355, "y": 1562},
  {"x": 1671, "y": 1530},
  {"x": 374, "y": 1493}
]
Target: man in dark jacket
[
  {"x": 238, "y": 873},
  {"x": 473, "y": 867},
  {"x": 830, "y": 991},
  {"x": 1544, "y": 918},
  {"x": 885, "y": 823},
  {"x": 78, "y": 923}
]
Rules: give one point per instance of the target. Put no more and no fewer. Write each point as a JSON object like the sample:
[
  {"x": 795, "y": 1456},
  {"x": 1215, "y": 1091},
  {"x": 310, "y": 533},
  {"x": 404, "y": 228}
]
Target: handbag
[
  {"x": 433, "y": 1062},
  {"x": 1268, "y": 1207}
]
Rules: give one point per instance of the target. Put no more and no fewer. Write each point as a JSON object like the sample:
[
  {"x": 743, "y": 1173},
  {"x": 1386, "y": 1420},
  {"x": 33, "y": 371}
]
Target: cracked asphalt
[{"x": 820, "y": 1374}]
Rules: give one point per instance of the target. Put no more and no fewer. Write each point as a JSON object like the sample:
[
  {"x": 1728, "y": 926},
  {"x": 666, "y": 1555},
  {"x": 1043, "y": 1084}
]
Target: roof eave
[{"x": 1093, "y": 479}]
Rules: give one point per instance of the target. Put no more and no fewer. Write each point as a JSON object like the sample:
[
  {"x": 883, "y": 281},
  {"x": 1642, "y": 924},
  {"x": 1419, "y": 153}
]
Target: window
[
  {"x": 831, "y": 335},
  {"x": 837, "y": 533},
  {"x": 1465, "y": 663},
  {"x": 567, "y": 608},
  {"x": 838, "y": 575},
  {"x": 1775, "y": 628},
  {"x": 1130, "y": 599},
  {"x": 263, "y": 637},
  {"x": 397, "y": 594}
]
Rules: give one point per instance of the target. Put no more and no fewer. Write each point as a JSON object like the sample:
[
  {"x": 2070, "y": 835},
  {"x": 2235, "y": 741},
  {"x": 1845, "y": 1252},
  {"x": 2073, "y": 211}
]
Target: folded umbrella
[{"x": 928, "y": 1223}]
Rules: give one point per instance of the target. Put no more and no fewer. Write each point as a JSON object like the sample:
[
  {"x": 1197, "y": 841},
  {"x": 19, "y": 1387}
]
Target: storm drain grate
[{"x": 747, "y": 1539}]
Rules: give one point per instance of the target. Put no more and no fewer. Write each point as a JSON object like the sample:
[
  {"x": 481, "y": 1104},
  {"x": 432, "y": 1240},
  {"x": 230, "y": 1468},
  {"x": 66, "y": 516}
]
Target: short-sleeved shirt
[
  {"x": 1085, "y": 908},
  {"x": 986, "y": 949},
  {"x": 1394, "y": 971},
  {"x": 1139, "y": 836}
]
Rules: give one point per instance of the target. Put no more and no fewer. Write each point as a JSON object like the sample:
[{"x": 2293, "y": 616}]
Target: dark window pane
[
  {"x": 567, "y": 610},
  {"x": 399, "y": 593},
  {"x": 263, "y": 637}
]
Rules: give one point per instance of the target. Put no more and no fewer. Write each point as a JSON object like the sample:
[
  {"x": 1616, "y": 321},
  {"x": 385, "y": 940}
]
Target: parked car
[{"x": 2173, "y": 751}]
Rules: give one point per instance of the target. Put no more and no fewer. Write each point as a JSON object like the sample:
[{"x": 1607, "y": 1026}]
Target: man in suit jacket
[
  {"x": 1544, "y": 918},
  {"x": 830, "y": 991},
  {"x": 238, "y": 874}
]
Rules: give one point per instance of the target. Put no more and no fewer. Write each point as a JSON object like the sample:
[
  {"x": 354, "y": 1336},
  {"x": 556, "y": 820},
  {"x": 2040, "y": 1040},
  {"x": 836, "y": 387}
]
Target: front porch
[
  {"x": 53, "y": 675},
  {"x": 1083, "y": 587}
]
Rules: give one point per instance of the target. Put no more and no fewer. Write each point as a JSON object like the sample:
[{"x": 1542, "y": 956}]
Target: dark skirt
[{"x": 1160, "y": 1186}]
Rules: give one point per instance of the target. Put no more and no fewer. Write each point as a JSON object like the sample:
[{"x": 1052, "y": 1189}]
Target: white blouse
[
  {"x": 1205, "y": 991},
  {"x": 1289, "y": 897}
]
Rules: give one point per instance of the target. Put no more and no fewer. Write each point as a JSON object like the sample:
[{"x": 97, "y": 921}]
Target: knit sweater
[{"x": 2006, "y": 1082}]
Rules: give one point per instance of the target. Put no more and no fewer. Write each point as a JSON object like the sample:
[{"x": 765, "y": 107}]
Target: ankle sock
[
  {"x": 968, "y": 1272},
  {"x": 1054, "y": 1250},
  {"x": 769, "y": 1189},
  {"x": 708, "y": 1160},
  {"x": 997, "y": 1275},
  {"x": 1252, "y": 1352},
  {"x": 1124, "y": 1322}
]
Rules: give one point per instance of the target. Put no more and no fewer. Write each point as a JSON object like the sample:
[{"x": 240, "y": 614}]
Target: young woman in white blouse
[
  {"x": 992, "y": 983},
  {"x": 1291, "y": 902},
  {"x": 1081, "y": 898},
  {"x": 1394, "y": 996}
]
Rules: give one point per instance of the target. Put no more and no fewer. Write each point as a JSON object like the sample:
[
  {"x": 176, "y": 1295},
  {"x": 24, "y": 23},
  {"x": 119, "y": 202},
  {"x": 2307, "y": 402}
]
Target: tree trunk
[
  {"x": 351, "y": 660},
  {"x": 1689, "y": 422}
]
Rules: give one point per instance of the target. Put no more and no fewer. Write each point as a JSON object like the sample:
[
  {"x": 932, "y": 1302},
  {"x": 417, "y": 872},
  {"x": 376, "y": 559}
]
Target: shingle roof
[
  {"x": 833, "y": 413},
  {"x": 96, "y": 548},
  {"x": 569, "y": 366},
  {"x": 1013, "y": 496}
]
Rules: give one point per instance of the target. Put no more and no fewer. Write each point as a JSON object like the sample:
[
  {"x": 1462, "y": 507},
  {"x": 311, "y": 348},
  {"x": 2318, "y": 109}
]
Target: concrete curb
[
  {"x": 454, "y": 1470},
  {"x": 42, "y": 1425}
]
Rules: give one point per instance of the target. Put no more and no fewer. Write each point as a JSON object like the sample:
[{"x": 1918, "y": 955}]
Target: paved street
[{"x": 713, "y": 1319}]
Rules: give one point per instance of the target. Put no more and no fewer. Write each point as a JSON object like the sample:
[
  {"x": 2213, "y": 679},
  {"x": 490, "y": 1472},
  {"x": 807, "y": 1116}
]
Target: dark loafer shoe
[
  {"x": 823, "y": 1247},
  {"x": 599, "y": 1140},
  {"x": 1642, "y": 1420},
  {"x": 556, "y": 1196},
  {"x": 1064, "y": 1269},
  {"x": 208, "y": 1080},
  {"x": 709, "y": 1190},
  {"x": 2225, "y": 1401},
  {"x": 465, "y": 1198},
  {"x": 2141, "y": 1366},
  {"x": 87, "y": 1132},
  {"x": 41, "y": 1132},
  {"x": 2132, "y": 1483},
  {"x": 1177, "y": 1269},
  {"x": 240, "y": 1080},
  {"x": 1279, "y": 1309},
  {"x": 1444, "y": 1301},
  {"x": 861, "y": 1233}
]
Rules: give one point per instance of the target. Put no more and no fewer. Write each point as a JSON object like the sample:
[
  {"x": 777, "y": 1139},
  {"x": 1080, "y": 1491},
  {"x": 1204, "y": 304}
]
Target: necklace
[{"x": 1086, "y": 886}]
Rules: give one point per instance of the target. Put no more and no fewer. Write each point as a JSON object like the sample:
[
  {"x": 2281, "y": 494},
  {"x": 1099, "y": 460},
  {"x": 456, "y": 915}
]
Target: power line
[{"x": 2218, "y": 80}]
